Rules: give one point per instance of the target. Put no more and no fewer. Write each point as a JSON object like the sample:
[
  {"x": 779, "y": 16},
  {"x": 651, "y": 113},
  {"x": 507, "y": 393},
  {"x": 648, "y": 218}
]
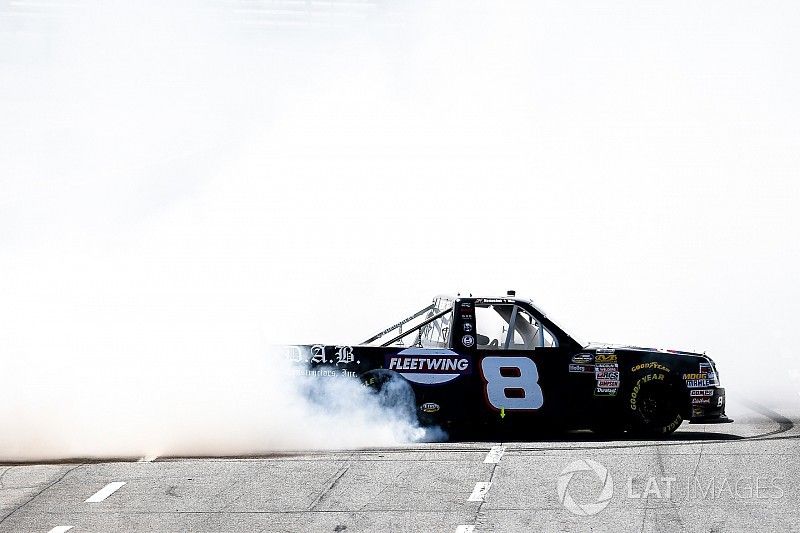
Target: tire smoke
[
  {"x": 182, "y": 186},
  {"x": 145, "y": 265}
]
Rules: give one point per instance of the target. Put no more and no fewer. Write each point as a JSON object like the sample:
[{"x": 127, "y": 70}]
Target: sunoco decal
[
  {"x": 429, "y": 366},
  {"x": 429, "y": 407}
]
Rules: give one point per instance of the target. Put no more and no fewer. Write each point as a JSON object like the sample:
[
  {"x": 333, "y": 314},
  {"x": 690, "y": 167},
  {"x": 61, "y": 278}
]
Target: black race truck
[{"x": 493, "y": 365}]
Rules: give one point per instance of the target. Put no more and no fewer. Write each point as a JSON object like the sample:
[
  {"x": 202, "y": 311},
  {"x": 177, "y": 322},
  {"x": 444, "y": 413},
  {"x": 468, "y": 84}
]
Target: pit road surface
[{"x": 731, "y": 477}]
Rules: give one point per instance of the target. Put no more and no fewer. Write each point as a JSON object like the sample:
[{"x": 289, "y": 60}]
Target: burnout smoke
[
  {"x": 218, "y": 402},
  {"x": 183, "y": 185},
  {"x": 144, "y": 272}
]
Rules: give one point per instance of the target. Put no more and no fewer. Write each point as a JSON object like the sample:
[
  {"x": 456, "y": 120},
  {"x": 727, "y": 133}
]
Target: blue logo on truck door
[{"x": 429, "y": 366}]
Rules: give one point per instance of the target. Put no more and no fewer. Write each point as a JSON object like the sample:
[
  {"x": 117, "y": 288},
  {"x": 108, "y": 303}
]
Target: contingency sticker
[
  {"x": 582, "y": 359},
  {"x": 581, "y": 369},
  {"x": 606, "y": 376},
  {"x": 705, "y": 377}
]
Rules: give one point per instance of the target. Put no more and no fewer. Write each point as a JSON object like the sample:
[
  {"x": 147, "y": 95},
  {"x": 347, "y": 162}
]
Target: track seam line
[
  {"x": 331, "y": 485},
  {"x": 4, "y": 475},
  {"x": 40, "y": 492},
  {"x": 663, "y": 471}
]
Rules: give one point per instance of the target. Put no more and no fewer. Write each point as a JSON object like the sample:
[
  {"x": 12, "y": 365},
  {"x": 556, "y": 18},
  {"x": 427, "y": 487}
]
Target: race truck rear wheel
[
  {"x": 653, "y": 403},
  {"x": 393, "y": 391}
]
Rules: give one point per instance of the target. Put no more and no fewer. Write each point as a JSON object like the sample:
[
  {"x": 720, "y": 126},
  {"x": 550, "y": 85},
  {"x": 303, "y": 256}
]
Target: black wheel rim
[{"x": 656, "y": 407}]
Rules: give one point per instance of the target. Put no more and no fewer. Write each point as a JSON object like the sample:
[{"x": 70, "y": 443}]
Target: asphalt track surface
[{"x": 732, "y": 477}]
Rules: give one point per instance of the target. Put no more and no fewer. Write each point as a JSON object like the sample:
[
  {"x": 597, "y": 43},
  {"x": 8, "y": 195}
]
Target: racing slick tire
[
  {"x": 653, "y": 403},
  {"x": 393, "y": 391}
]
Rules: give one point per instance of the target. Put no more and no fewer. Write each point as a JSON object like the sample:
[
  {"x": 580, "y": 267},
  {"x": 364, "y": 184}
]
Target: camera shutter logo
[{"x": 585, "y": 509}]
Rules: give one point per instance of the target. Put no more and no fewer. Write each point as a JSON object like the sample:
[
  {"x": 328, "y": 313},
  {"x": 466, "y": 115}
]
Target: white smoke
[
  {"x": 157, "y": 345},
  {"x": 144, "y": 271},
  {"x": 180, "y": 189}
]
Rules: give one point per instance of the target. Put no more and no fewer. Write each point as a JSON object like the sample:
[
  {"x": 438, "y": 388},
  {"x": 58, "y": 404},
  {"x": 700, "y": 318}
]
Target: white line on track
[
  {"x": 60, "y": 529},
  {"x": 465, "y": 529},
  {"x": 105, "y": 492},
  {"x": 147, "y": 459},
  {"x": 480, "y": 490},
  {"x": 495, "y": 454}
]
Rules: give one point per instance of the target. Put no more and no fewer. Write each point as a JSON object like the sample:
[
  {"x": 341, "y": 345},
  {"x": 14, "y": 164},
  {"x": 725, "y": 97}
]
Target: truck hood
[{"x": 594, "y": 346}]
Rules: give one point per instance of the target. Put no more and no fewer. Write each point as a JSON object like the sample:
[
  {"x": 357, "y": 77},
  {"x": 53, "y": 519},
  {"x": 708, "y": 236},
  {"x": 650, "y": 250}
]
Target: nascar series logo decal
[{"x": 429, "y": 366}]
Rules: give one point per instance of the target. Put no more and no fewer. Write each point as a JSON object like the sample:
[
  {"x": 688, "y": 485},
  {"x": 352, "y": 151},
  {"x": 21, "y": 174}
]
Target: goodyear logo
[
  {"x": 650, "y": 366},
  {"x": 638, "y": 387}
]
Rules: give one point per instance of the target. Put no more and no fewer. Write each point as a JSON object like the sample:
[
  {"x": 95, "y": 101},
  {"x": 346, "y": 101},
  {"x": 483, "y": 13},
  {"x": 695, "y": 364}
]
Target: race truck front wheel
[
  {"x": 653, "y": 403},
  {"x": 393, "y": 392}
]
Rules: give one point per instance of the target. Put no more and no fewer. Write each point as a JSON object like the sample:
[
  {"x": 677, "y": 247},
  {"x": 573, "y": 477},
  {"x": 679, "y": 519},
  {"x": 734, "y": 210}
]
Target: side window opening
[
  {"x": 492, "y": 329},
  {"x": 509, "y": 327}
]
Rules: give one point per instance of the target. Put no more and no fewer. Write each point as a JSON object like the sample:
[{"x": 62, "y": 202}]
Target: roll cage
[{"x": 431, "y": 325}]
